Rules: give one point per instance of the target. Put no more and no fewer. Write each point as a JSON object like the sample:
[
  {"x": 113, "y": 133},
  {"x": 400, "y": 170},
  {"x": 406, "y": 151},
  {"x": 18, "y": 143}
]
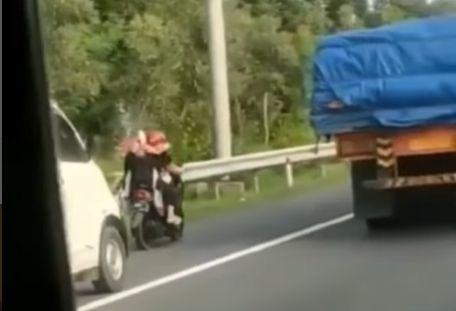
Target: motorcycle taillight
[{"x": 142, "y": 195}]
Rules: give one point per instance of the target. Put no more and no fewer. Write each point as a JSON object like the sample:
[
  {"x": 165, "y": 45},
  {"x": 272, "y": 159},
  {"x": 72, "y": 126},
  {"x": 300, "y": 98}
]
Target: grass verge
[{"x": 272, "y": 187}]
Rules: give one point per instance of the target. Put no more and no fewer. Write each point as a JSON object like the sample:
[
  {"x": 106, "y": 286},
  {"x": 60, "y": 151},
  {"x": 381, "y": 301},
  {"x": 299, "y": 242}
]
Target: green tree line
[{"x": 116, "y": 66}]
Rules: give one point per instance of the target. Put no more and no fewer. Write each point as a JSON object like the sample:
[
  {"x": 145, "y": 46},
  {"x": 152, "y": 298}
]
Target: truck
[{"x": 387, "y": 96}]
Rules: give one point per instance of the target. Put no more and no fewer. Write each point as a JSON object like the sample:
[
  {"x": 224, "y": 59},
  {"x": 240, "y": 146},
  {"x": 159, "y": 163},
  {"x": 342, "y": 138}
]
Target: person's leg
[
  {"x": 171, "y": 200},
  {"x": 179, "y": 197}
]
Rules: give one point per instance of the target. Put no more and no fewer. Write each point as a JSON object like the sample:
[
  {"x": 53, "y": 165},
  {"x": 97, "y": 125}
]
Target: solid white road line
[{"x": 211, "y": 264}]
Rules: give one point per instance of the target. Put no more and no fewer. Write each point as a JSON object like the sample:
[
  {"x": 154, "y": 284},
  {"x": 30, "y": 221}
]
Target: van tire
[{"x": 111, "y": 274}]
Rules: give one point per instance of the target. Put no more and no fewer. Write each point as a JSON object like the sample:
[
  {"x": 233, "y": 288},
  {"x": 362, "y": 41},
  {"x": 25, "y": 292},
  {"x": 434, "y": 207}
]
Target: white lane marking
[{"x": 211, "y": 264}]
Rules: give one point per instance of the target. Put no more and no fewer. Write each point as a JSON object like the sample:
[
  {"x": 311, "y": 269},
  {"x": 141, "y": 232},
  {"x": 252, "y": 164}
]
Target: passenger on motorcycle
[{"x": 166, "y": 175}]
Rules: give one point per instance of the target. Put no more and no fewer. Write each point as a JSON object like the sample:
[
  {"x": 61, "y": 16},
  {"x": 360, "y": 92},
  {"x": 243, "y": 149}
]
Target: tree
[
  {"x": 333, "y": 9},
  {"x": 116, "y": 66},
  {"x": 78, "y": 74},
  {"x": 347, "y": 18},
  {"x": 392, "y": 14}
]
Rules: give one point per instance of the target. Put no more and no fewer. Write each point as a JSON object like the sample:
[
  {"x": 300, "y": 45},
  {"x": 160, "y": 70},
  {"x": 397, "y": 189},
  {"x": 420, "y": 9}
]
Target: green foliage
[
  {"x": 116, "y": 66},
  {"x": 392, "y": 14},
  {"x": 347, "y": 18}
]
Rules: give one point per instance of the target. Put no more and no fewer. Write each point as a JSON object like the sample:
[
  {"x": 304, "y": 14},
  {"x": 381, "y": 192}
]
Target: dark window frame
[{"x": 73, "y": 150}]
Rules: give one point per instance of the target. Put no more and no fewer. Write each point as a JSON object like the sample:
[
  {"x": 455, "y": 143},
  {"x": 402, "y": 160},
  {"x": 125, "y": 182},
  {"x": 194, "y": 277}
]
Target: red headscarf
[{"x": 156, "y": 142}]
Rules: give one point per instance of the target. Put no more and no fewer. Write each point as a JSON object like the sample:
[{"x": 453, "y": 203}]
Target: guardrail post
[
  {"x": 256, "y": 183},
  {"x": 289, "y": 173},
  {"x": 323, "y": 172},
  {"x": 217, "y": 190}
]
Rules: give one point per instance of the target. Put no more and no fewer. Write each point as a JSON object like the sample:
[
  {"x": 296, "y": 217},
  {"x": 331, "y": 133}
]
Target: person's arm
[
  {"x": 127, "y": 164},
  {"x": 171, "y": 166},
  {"x": 175, "y": 169}
]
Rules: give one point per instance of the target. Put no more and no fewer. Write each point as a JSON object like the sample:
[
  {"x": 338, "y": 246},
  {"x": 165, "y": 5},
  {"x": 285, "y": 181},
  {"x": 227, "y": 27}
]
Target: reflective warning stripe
[
  {"x": 384, "y": 152},
  {"x": 386, "y": 162}
]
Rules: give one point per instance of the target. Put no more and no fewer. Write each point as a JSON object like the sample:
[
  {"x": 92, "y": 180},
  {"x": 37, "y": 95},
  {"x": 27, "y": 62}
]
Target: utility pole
[
  {"x": 220, "y": 95},
  {"x": 370, "y": 5}
]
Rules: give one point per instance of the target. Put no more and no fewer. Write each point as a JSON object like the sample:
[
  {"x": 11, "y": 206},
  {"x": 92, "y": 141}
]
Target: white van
[{"x": 96, "y": 236}]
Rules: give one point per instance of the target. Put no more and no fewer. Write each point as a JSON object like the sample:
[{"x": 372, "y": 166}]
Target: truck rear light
[
  {"x": 427, "y": 141},
  {"x": 354, "y": 148},
  {"x": 434, "y": 140},
  {"x": 355, "y": 145}
]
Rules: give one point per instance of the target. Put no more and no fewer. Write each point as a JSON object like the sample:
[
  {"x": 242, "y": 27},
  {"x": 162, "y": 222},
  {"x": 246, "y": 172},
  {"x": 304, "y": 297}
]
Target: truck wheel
[
  {"x": 369, "y": 203},
  {"x": 112, "y": 262},
  {"x": 378, "y": 223}
]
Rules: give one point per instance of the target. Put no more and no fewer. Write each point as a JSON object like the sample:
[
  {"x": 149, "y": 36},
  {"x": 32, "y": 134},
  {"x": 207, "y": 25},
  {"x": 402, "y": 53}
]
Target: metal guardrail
[{"x": 195, "y": 171}]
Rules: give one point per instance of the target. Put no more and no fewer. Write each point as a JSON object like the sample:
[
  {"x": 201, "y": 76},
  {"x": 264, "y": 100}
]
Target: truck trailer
[{"x": 388, "y": 97}]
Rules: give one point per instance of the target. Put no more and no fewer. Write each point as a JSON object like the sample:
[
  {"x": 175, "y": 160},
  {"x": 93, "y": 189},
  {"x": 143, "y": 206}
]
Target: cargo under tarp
[{"x": 396, "y": 76}]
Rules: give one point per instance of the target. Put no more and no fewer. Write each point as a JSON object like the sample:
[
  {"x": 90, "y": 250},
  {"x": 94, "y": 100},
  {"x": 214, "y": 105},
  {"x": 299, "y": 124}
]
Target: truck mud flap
[{"x": 411, "y": 181}]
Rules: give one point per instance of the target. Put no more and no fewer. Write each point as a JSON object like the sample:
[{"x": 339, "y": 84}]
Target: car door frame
[{"x": 81, "y": 217}]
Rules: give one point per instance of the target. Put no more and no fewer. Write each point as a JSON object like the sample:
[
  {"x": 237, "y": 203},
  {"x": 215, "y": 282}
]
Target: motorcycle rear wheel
[
  {"x": 176, "y": 232},
  {"x": 143, "y": 241}
]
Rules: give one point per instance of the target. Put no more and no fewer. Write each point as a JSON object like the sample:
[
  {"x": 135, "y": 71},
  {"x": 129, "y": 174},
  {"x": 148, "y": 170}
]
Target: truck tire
[
  {"x": 369, "y": 203},
  {"x": 112, "y": 264},
  {"x": 375, "y": 224}
]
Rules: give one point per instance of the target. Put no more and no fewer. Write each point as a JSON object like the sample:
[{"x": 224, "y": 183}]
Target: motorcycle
[{"x": 148, "y": 222}]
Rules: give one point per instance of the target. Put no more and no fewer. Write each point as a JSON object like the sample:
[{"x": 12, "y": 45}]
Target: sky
[{"x": 370, "y": 4}]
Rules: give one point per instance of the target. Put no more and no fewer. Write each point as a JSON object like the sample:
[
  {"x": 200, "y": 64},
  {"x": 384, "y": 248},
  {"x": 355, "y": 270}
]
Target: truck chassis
[{"x": 394, "y": 168}]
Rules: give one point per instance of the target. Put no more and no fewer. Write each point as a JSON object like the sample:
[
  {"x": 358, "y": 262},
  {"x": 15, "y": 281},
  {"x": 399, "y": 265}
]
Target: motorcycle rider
[
  {"x": 137, "y": 168},
  {"x": 166, "y": 175},
  {"x": 148, "y": 166}
]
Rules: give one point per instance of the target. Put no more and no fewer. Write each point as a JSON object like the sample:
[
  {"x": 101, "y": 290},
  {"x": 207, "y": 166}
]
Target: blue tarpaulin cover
[{"x": 395, "y": 76}]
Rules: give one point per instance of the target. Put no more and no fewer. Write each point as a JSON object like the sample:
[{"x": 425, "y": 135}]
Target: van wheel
[{"x": 112, "y": 262}]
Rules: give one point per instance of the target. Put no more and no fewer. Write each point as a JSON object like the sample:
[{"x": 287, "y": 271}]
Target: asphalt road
[{"x": 411, "y": 267}]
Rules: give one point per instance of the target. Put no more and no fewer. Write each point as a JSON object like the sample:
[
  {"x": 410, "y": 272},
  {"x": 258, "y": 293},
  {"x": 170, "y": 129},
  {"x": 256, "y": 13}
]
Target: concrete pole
[
  {"x": 370, "y": 5},
  {"x": 220, "y": 95}
]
